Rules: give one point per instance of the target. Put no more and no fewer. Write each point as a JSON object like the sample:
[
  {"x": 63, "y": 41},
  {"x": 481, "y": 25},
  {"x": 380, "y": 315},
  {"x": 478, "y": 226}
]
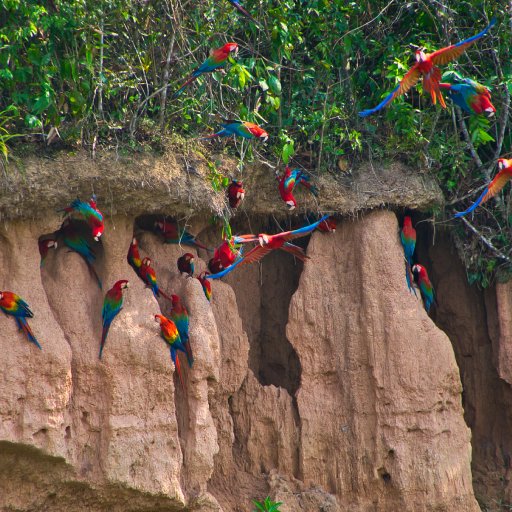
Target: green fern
[{"x": 267, "y": 506}]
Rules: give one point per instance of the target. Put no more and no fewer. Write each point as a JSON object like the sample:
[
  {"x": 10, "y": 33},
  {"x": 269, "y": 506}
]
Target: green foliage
[{"x": 267, "y": 506}]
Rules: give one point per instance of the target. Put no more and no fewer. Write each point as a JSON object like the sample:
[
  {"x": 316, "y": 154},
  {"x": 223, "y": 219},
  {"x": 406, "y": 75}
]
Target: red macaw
[
  {"x": 470, "y": 96},
  {"x": 236, "y": 4},
  {"x": 172, "y": 234},
  {"x": 112, "y": 305},
  {"x": 235, "y": 193},
  {"x": 215, "y": 266},
  {"x": 179, "y": 315},
  {"x": 171, "y": 336},
  {"x": 426, "y": 67},
  {"x": 243, "y": 129},
  {"x": 90, "y": 213},
  {"x": 14, "y": 305},
  {"x": 148, "y": 275},
  {"x": 186, "y": 264},
  {"x": 207, "y": 286},
  {"x": 44, "y": 248},
  {"x": 499, "y": 181},
  {"x": 218, "y": 57},
  {"x": 328, "y": 225},
  {"x": 408, "y": 239},
  {"x": 133, "y": 257},
  {"x": 426, "y": 288},
  {"x": 287, "y": 183}
]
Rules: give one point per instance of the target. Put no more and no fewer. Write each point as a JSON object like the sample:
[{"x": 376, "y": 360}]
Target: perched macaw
[
  {"x": 173, "y": 235},
  {"x": 73, "y": 238},
  {"x": 328, "y": 225},
  {"x": 179, "y": 315},
  {"x": 427, "y": 291},
  {"x": 268, "y": 243},
  {"x": 243, "y": 129},
  {"x": 499, "y": 181},
  {"x": 171, "y": 336},
  {"x": 408, "y": 239},
  {"x": 45, "y": 246},
  {"x": 148, "y": 275},
  {"x": 90, "y": 213},
  {"x": 207, "y": 286},
  {"x": 470, "y": 96},
  {"x": 218, "y": 57},
  {"x": 112, "y": 305},
  {"x": 236, "y": 4},
  {"x": 215, "y": 266},
  {"x": 235, "y": 193},
  {"x": 426, "y": 67},
  {"x": 14, "y": 305},
  {"x": 133, "y": 257},
  {"x": 287, "y": 183},
  {"x": 186, "y": 264}
]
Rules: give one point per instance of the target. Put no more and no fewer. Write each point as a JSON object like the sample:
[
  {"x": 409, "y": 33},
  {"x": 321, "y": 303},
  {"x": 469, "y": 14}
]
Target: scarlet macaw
[
  {"x": 243, "y": 129},
  {"x": 499, "y": 181},
  {"x": 173, "y": 235},
  {"x": 235, "y": 193},
  {"x": 470, "y": 96},
  {"x": 426, "y": 288},
  {"x": 179, "y": 315},
  {"x": 45, "y": 246},
  {"x": 112, "y": 305},
  {"x": 287, "y": 183},
  {"x": 14, "y": 305},
  {"x": 186, "y": 264},
  {"x": 408, "y": 239},
  {"x": 218, "y": 57},
  {"x": 171, "y": 336},
  {"x": 426, "y": 67}
]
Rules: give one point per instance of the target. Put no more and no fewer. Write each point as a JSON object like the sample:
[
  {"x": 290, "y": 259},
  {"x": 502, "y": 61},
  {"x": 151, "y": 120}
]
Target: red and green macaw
[
  {"x": 215, "y": 266},
  {"x": 499, "y": 181},
  {"x": 408, "y": 239},
  {"x": 235, "y": 193},
  {"x": 14, "y": 305},
  {"x": 470, "y": 96},
  {"x": 133, "y": 257},
  {"x": 44, "y": 248},
  {"x": 207, "y": 286},
  {"x": 112, "y": 305},
  {"x": 287, "y": 183},
  {"x": 268, "y": 243},
  {"x": 237, "y": 5},
  {"x": 171, "y": 336},
  {"x": 73, "y": 238},
  {"x": 328, "y": 225},
  {"x": 243, "y": 129},
  {"x": 90, "y": 213},
  {"x": 172, "y": 234},
  {"x": 427, "y": 290},
  {"x": 179, "y": 315},
  {"x": 218, "y": 57},
  {"x": 186, "y": 264},
  {"x": 426, "y": 67},
  {"x": 148, "y": 275}
]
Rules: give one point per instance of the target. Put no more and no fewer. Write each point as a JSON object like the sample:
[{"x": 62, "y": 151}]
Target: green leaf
[
  {"x": 274, "y": 84},
  {"x": 288, "y": 150}
]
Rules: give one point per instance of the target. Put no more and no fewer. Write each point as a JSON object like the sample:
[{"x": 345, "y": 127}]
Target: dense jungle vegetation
[{"x": 103, "y": 72}]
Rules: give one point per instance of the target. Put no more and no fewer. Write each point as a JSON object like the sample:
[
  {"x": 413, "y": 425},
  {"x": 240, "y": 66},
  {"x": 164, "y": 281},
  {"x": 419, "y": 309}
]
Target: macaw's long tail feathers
[
  {"x": 177, "y": 366},
  {"x": 298, "y": 252},
  {"x": 388, "y": 99},
  {"x": 182, "y": 88},
  {"x": 103, "y": 338},
  {"x": 240, "y": 9},
  {"x": 164, "y": 295},
  {"x": 188, "y": 351},
  {"x": 474, "y": 205},
  {"x": 23, "y": 326}
]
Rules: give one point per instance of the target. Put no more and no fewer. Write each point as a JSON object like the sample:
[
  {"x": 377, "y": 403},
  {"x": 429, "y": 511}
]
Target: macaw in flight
[
  {"x": 267, "y": 243},
  {"x": 408, "y": 239},
  {"x": 243, "y": 129},
  {"x": 427, "y": 290},
  {"x": 468, "y": 94},
  {"x": 499, "y": 181},
  {"x": 287, "y": 183},
  {"x": 112, "y": 305},
  {"x": 14, "y": 305},
  {"x": 426, "y": 67},
  {"x": 218, "y": 57}
]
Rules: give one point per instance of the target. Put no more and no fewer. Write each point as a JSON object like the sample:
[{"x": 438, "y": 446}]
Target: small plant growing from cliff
[{"x": 267, "y": 506}]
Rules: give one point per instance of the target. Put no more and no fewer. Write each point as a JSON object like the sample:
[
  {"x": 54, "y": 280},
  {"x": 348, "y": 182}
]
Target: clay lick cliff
[{"x": 324, "y": 385}]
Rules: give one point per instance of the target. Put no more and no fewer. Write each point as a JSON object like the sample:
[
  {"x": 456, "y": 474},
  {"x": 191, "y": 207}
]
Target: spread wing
[
  {"x": 449, "y": 53},
  {"x": 304, "y": 231}
]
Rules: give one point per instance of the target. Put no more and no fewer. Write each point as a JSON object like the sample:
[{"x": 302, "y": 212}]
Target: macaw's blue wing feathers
[
  {"x": 474, "y": 206},
  {"x": 388, "y": 99},
  {"x": 224, "y": 272}
]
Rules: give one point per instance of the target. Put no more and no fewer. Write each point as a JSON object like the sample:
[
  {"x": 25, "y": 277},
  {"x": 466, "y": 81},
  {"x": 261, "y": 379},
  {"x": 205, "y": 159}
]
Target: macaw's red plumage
[
  {"x": 76, "y": 238},
  {"x": 215, "y": 266},
  {"x": 226, "y": 253},
  {"x": 179, "y": 315},
  {"x": 238, "y": 6},
  {"x": 133, "y": 257},
  {"x": 287, "y": 183},
  {"x": 408, "y": 239},
  {"x": 235, "y": 193},
  {"x": 171, "y": 336},
  {"x": 328, "y": 225},
  {"x": 14, "y": 305},
  {"x": 148, "y": 275},
  {"x": 499, "y": 181},
  {"x": 427, "y": 290},
  {"x": 172, "y": 234},
  {"x": 90, "y": 213},
  {"x": 112, "y": 305},
  {"x": 470, "y": 96},
  {"x": 426, "y": 67},
  {"x": 217, "y": 59},
  {"x": 243, "y": 129},
  {"x": 186, "y": 264},
  {"x": 45, "y": 246},
  {"x": 207, "y": 286},
  {"x": 268, "y": 243}
]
